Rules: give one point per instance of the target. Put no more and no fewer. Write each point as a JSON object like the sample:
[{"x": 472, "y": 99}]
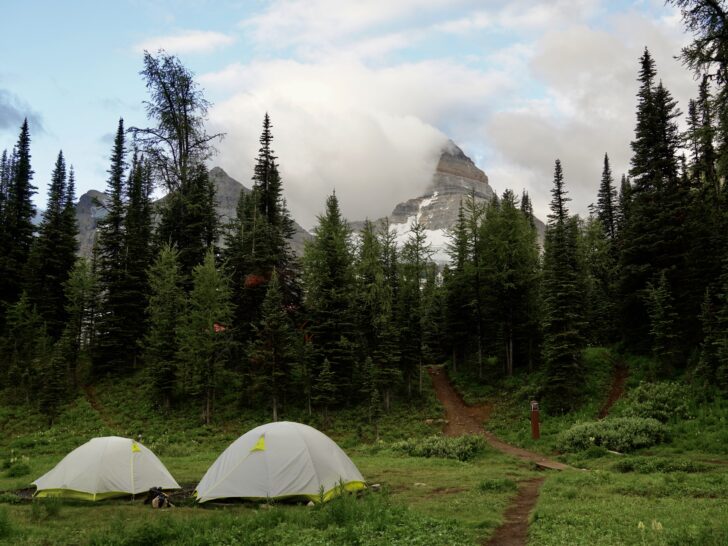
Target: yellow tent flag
[
  {"x": 259, "y": 445},
  {"x": 135, "y": 447}
]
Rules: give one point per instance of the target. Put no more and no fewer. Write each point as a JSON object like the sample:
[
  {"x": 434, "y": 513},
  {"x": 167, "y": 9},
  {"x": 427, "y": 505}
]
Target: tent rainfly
[
  {"x": 280, "y": 460},
  {"x": 103, "y": 468}
]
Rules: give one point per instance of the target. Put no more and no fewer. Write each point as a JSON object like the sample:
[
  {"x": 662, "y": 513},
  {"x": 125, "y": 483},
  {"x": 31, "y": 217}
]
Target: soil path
[
  {"x": 616, "y": 390},
  {"x": 464, "y": 419},
  {"x": 514, "y": 532}
]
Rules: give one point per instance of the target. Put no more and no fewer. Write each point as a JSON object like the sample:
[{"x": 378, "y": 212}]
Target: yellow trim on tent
[
  {"x": 135, "y": 447},
  {"x": 260, "y": 444},
  {"x": 80, "y": 495},
  {"x": 335, "y": 491}
]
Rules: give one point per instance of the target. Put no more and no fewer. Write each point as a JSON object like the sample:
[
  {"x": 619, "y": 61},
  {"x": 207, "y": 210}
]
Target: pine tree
[
  {"x": 510, "y": 270},
  {"x": 662, "y": 322},
  {"x": 328, "y": 274},
  {"x": 563, "y": 303},
  {"x": 416, "y": 257},
  {"x": 457, "y": 290},
  {"x": 113, "y": 341},
  {"x": 258, "y": 239},
  {"x": 165, "y": 311},
  {"x": 606, "y": 202},
  {"x": 53, "y": 254},
  {"x": 137, "y": 255},
  {"x": 81, "y": 290},
  {"x": 204, "y": 332},
  {"x": 375, "y": 313},
  {"x": 273, "y": 352},
  {"x": 325, "y": 389},
  {"x": 18, "y": 214}
]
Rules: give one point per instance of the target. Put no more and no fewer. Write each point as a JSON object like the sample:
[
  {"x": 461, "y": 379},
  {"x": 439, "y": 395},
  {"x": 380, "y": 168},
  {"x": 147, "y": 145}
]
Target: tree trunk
[
  {"x": 275, "y": 408},
  {"x": 386, "y": 399},
  {"x": 454, "y": 360}
]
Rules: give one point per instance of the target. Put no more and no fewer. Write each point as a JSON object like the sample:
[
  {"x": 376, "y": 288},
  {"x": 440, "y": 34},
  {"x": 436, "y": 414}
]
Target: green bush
[
  {"x": 618, "y": 434},
  {"x": 17, "y": 470},
  {"x": 497, "y": 485},
  {"x": 661, "y": 401},
  {"x": 649, "y": 465},
  {"x": 462, "y": 448},
  {"x": 6, "y": 527},
  {"x": 10, "y": 498},
  {"x": 43, "y": 509}
]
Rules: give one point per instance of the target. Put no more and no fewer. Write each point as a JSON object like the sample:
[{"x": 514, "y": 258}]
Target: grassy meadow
[{"x": 675, "y": 492}]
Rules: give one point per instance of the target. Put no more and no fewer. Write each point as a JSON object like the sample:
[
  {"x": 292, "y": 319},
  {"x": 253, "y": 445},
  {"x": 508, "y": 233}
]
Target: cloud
[
  {"x": 189, "y": 41},
  {"x": 13, "y": 111},
  {"x": 587, "y": 108},
  {"x": 373, "y": 134}
]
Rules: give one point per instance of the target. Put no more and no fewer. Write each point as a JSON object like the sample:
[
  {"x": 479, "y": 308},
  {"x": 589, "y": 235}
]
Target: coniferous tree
[
  {"x": 325, "y": 389},
  {"x": 662, "y": 322},
  {"x": 415, "y": 259},
  {"x": 204, "y": 333},
  {"x": 258, "y": 239},
  {"x": 165, "y": 311},
  {"x": 563, "y": 303},
  {"x": 328, "y": 274},
  {"x": 273, "y": 352},
  {"x": 606, "y": 202},
  {"x": 18, "y": 214},
  {"x": 114, "y": 340},
  {"x": 375, "y": 314},
  {"x": 53, "y": 254},
  {"x": 457, "y": 290},
  {"x": 81, "y": 290},
  {"x": 137, "y": 255},
  {"x": 510, "y": 271}
]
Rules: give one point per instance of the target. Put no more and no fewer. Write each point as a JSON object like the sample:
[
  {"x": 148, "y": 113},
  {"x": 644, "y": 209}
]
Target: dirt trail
[
  {"x": 514, "y": 532},
  {"x": 464, "y": 419},
  {"x": 616, "y": 390}
]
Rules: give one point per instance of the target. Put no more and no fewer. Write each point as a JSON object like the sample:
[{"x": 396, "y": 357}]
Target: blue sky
[{"x": 362, "y": 93}]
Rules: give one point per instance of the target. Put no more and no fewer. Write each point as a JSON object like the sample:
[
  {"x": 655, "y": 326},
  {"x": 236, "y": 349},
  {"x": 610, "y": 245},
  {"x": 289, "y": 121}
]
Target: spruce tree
[
  {"x": 204, "y": 333},
  {"x": 113, "y": 342},
  {"x": 165, "y": 312},
  {"x": 18, "y": 214},
  {"x": 274, "y": 351},
  {"x": 329, "y": 280},
  {"x": 606, "y": 202},
  {"x": 53, "y": 254},
  {"x": 563, "y": 303},
  {"x": 662, "y": 322},
  {"x": 458, "y": 290}
]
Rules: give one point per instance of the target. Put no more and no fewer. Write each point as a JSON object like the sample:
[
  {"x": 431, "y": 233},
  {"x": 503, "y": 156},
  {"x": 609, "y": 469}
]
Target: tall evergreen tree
[
  {"x": 606, "y": 201},
  {"x": 204, "y": 333},
  {"x": 18, "y": 229},
  {"x": 328, "y": 274},
  {"x": 53, "y": 254},
  {"x": 563, "y": 303},
  {"x": 274, "y": 351},
  {"x": 114, "y": 340},
  {"x": 166, "y": 311}
]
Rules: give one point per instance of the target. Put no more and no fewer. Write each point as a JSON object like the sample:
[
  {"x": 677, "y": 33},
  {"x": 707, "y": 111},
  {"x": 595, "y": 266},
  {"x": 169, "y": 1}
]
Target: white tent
[
  {"x": 105, "y": 467},
  {"x": 280, "y": 460}
]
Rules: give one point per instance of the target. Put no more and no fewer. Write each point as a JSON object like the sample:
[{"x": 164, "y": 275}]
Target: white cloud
[
  {"x": 190, "y": 41},
  {"x": 587, "y": 108},
  {"x": 370, "y": 133}
]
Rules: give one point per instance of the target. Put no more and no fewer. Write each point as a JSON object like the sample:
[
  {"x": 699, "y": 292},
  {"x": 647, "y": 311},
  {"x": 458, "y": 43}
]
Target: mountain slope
[{"x": 90, "y": 209}]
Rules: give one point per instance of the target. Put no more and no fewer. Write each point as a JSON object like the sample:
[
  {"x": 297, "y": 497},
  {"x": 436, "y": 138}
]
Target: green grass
[{"x": 675, "y": 489}]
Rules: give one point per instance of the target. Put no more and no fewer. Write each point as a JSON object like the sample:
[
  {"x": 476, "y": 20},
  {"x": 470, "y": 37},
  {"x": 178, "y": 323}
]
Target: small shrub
[
  {"x": 462, "y": 448},
  {"x": 650, "y": 465},
  {"x": 497, "y": 485},
  {"x": 47, "y": 508},
  {"x": 6, "y": 526},
  {"x": 17, "y": 470},
  {"x": 10, "y": 498},
  {"x": 618, "y": 434},
  {"x": 661, "y": 401}
]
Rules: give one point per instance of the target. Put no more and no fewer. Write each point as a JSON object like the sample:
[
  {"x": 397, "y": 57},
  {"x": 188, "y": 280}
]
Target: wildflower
[
  {"x": 656, "y": 526},
  {"x": 641, "y": 526}
]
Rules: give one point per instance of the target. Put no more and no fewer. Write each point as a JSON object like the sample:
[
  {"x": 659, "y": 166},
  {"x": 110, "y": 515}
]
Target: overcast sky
[{"x": 362, "y": 93}]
